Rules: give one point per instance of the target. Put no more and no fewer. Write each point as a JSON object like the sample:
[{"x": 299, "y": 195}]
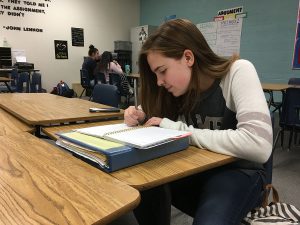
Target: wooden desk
[
  {"x": 270, "y": 88},
  {"x": 9, "y": 70},
  {"x": 47, "y": 109},
  {"x": 275, "y": 87},
  {"x": 135, "y": 78},
  {"x": 11, "y": 125},
  {"x": 5, "y": 80},
  {"x": 161, "y": 170},
  {"x": 30, "y": 71},
  {"x": 41, "y": 184},
  {"x": 5, "y": 71}
]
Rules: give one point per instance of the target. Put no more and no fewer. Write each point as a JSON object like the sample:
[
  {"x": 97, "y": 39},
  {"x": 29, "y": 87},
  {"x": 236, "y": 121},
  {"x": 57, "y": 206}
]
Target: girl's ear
[{"x": 188, "y": 57}]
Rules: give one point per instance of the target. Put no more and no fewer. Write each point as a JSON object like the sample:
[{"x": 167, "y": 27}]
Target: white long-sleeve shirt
[{"x": 232, "y": 117}]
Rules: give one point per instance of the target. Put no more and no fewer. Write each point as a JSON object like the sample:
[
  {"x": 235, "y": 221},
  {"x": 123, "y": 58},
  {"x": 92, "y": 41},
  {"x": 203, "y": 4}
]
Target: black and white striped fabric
[{"x": 276, "y": 213}]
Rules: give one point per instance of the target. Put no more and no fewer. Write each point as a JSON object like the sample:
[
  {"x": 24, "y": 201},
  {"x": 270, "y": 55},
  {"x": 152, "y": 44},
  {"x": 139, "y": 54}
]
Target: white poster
[
  {"x": 18, "y": 55},
  {"x": 229, "y": 37},
  {"x": 209, "y": 31},
  {"x": 224, "y": 36}
]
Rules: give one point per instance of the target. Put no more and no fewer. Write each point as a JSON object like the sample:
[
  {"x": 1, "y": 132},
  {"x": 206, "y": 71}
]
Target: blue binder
[{"x": 116, "y": 157}]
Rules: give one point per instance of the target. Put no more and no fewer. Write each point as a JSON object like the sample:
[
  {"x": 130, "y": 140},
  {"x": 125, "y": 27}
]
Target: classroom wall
[
  {"x": 267, "y": 35},
  {"x": 103, "y": 21}
]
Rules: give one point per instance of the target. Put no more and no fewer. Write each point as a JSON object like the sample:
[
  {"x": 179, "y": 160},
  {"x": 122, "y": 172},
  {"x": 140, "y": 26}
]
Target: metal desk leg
[
  {"x": 8, "y": 87},
  {"x": 38, "y": 132}
]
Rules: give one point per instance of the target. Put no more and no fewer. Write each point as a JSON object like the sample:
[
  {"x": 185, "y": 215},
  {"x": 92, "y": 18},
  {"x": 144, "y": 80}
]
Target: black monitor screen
[{"x": 5, "y": 57}]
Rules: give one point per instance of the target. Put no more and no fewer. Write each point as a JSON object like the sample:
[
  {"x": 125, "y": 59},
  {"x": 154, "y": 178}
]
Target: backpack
[
  {"x": 274, "y": 213},
  {"x": 64, "y": 90}
]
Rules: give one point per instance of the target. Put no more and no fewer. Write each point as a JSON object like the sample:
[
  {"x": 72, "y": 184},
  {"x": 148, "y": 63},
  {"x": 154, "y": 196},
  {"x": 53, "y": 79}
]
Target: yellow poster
[{"x": 229, "y": 14}]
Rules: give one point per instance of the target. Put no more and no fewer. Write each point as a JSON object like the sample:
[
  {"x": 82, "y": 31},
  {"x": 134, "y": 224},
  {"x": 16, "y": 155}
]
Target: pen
[
  {"x": 136, "y": 106},
  {"x": 135, "y": 102}
]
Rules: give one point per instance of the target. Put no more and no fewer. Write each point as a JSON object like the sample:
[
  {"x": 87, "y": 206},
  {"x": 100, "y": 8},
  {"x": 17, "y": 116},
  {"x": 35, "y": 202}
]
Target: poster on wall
[
  {"x": 142, "y": 35},
  {"x": 224, "y": 37},
  {"x": 18, "y": 55},
  {"x": 61, "y": 49},
  {"x": 296, "y": 57},
  {"x": 209, "y": 31},
  {"x": 228, "y": 14},
  {"x": 77, "y": 36}
]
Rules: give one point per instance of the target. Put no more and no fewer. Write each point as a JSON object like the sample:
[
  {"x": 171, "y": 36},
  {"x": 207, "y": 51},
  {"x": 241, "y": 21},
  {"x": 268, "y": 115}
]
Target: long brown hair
[
  {"x": 104, "y": 64},
  {"x": 171, "y": 39}
]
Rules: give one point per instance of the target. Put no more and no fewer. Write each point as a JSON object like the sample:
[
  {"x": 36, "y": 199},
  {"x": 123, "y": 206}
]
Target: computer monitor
[{"x": 5, "y": 57}]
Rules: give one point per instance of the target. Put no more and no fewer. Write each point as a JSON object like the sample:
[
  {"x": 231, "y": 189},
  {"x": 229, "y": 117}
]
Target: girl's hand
[
  {"x": 154, "y": 121},
  {"x": 133, "y": 116}
]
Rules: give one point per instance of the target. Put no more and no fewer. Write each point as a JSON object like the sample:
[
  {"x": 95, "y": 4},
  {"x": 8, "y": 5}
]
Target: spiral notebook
[
  {"x": 110, "y": 156},
  {"x": 142, "y": 137}
]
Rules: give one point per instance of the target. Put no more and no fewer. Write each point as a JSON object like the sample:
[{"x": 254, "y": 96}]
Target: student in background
[
  {"x": 90, "y": 63},
  {"x": 108, "y": 65},
  {"x": 186, "y": 86}
]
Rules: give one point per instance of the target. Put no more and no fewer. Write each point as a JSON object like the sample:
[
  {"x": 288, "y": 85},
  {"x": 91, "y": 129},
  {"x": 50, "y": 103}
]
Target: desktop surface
[
  {"x": 161, "y": 170},
  {"x": 11, "y": 125},
  {"x": 41, "y": 184},
  {"x": 45, "y": 108}
]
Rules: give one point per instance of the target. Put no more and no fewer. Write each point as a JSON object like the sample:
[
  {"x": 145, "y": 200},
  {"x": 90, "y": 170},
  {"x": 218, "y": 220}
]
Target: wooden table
[
  {"x": 11, "y": 125},
  {"x": 275, "y": 87},
  {"x": 135, "y": 78},
  {"x": 41, "y": 184},
  {"x": 5, "y": 71},
  {"x": 47, "y": 109},
  {"x": 161, "y": 170},
  {"x": 5, "y": 80},
  {"x": 270, "y": 88}
]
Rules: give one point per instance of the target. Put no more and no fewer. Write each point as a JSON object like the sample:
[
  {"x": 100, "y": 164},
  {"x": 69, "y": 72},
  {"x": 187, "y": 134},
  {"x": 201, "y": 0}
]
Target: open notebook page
[
  {"x": 146, "y": 137},
  {"x": 100, "y": 131}
]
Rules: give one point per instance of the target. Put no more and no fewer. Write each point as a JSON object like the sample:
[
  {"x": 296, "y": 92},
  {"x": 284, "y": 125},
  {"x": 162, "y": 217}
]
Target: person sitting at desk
[
  {"x": 90, "y": 63},
  {"x": 186, "y": 86},
  {"x": 107, "y": 65}
]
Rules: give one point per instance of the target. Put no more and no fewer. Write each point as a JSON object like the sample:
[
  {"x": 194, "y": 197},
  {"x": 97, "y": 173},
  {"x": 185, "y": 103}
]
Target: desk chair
[
  {"x": 23, "y": 78},
  {"x": 278, "y": 105},
  {"x": 85, "y": 82},
  {"x": 36, "y": 83},
  {"x": 269, "y": 164},
  {"x": 13, "y": 83},
  {"x": 288, "y": 117},
  {"x": 100, "y": 78},
  {"x": 294, "y": 81},
  {"x": 122, "y": 84},
  {"x": 106, "y": 94},
  {"x": 297, "y": 124}
]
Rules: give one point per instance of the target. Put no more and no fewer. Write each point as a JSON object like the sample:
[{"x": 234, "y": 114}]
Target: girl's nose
[{"x": 160, "y": 82}]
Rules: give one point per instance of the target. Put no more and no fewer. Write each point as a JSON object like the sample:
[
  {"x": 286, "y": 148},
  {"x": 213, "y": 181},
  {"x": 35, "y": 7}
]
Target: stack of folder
[{"x": 113, "y": 147}]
